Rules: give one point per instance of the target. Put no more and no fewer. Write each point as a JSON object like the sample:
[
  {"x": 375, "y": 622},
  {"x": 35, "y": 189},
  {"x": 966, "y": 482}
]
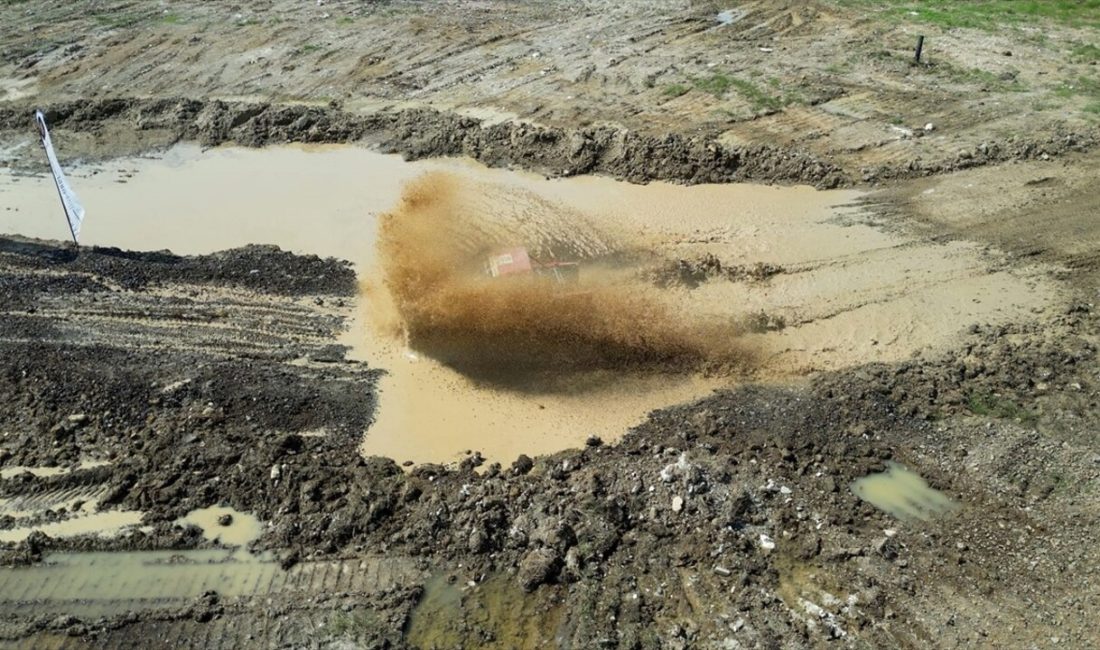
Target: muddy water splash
[{"x": 523, "y": 332}]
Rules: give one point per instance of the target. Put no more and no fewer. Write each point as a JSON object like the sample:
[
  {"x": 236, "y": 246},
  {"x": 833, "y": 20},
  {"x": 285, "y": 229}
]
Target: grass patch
[
  {"x": 171, "y": 19},
  {"x": 1086, "y": 53},
  {"x": 345, "y": 20},
  {"x": 983, "y": 14},
  {"x": 978, "y": 77},
  {"x": 720, "y": 84},
  {"x": 1083, "y": 86},
  {"x": 716, "y": 84},
  {"x": 675, "y": 90},
  {"x": 995, "y": 406},
  {"x": 759, "y": 98},
  {"x": 308, "y": 48}
]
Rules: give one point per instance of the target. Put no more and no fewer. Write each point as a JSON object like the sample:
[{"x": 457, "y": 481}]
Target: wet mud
[{"x": 746, "y": 489}]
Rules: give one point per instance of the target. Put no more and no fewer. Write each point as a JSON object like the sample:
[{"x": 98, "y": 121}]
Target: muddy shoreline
[{"x": 628, "y": 155}]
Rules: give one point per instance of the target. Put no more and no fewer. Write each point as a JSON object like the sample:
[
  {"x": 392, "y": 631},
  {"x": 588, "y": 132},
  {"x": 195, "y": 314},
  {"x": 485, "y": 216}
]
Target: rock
[
  {"x": 886, "y": 547},
  {"x": 539, "y": 567},
  {"x": 276, "y": 472},
  {"x": 722, "y": 571},
  {"x": 766, "y": 542},
  {"x": 672, "y": 471},
  {"x": 78, "y": 418},
  {"x": 928, "y": 128},
  {"x": 225, "y": 520},
  {"x": 522, "y": 465},
  {"x": 593, "y": 441},
  {"x": 677, "y": 503}
]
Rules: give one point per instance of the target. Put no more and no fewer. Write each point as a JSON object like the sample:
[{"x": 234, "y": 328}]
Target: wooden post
[{"x": 920, "y": 46}]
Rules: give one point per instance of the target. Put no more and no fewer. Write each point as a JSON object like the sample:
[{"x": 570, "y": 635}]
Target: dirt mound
[{"x": 433, "y": 249}]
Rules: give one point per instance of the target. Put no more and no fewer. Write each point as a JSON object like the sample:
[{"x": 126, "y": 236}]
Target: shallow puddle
[
  {"x": 238, "y": 528},
  {"x": 102, "y": 524},
  {"x": 903, "y": 494},
  {"x": 99, "y": 584},
  {"x": 845, "y": 293},
  {"x": 498, "y": 605},
  {"x": 45, "y": 472}
]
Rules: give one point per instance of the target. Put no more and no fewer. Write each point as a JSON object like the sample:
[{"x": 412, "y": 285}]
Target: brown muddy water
[
  {"x": 224, "y": 525},
  {"x": 557, "y": 364}
]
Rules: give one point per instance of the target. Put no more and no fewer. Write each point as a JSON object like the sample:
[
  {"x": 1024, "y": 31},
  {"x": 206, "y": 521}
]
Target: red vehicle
[{"x": 518, "y": 262}]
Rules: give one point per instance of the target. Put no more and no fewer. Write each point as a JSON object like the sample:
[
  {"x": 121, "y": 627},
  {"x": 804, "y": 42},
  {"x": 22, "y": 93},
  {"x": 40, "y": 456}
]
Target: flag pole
[{"x": 40, "y": 122}]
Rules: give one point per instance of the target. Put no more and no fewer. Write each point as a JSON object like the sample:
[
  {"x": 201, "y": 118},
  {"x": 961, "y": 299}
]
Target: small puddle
[
  {"x": 108, "y": 523},
  {"x": 224, "y": 525},
  {"x": 730, "y": 16},
  {"x": 903, "y": 494},
  {"x": 846, "y": 293},
  {"x": 45, "y": 472},
  {"x": 448, "y": 610}
]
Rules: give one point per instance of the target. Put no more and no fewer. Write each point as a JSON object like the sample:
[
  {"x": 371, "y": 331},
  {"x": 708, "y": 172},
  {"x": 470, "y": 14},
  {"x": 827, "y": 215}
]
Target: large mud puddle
[{"x": 670, "y": 292}]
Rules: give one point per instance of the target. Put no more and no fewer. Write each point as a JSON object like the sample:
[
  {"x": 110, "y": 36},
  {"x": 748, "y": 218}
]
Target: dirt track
[{"x": 218, "y": 379}]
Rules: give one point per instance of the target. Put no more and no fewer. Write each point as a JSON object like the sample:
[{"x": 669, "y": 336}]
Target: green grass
[
  {"x": 983, "y": 14},
  {"x": 759, "y": 98},
  {"x": 977, "y": 77},
  {"x": 171, "y": 19},
  {"x": 1086, "y": 53},
  {"x": 716, "y": 84},
  {"x": 1087, "y": 87},
  {"x": 720, "y": 84},
  {"x": 308, "y": 48},
  {"x": 345, "y": 20},
  {"x": 675, "y": 90},
  {"x": 995, "y": 406}
]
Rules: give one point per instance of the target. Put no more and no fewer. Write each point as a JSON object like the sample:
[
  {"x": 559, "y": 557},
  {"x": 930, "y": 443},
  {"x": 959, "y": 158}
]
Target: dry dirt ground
[{"x": 722, "y": 524}]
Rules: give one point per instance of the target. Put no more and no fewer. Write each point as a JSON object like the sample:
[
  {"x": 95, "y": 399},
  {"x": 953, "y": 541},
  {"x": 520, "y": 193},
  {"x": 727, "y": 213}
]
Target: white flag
[{"x": 74, "y": 212}]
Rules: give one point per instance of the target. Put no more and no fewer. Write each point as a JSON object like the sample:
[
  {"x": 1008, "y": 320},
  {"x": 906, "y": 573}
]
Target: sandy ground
[{"x": 936, "y": 315}]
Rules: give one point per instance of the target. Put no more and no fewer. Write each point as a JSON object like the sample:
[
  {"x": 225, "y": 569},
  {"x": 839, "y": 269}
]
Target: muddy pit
[
  {"x": 682, "y": 290},
  {"x": 780, "y": 486}
]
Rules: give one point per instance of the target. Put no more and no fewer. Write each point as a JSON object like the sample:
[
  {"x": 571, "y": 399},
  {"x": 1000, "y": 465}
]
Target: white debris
[
  {"x": 276, "y": 472},
  {"x": 677, "y": 503},
  {"x": 766, "y": 542},
  {"x": 928, "y": 128},
  {"x": 176, "y": 385},
  {"x": 674, "y": 470}
]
